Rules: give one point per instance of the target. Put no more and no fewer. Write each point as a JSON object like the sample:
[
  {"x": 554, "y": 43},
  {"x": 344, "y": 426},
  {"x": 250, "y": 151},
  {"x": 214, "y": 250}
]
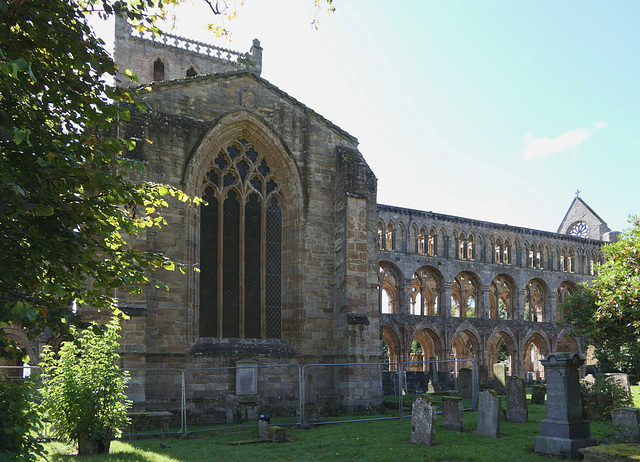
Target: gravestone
[
  {"x": 517, "y": 410},
  {"x": 489, "y": 409},
  {"x": 452, "y": 413},
  {"x": 483, "y": 375},
  {"x": 230, "y": 402},
  {"x": 423, "y": 421},
  {"x": 433, "y": 374},
  {"x": 621, "y": 379},
  {"x": 465, "y": 382},
  {"x": 595, "y": 405},
  {"x": 263, "y": 431},
  {"x": 499, "y": 377},
  {"x": 626, "y": 422},
  {"x": 538, "y": 394},
  {"x": 276, "y": 433},
  {"x": 563, "y": 431}
]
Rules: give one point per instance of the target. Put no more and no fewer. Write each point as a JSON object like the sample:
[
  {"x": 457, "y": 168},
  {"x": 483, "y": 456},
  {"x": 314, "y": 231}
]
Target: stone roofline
[
  {"x": 251, "y": 74},
  {"x": 223, "y": 55},
  {"x": 488, "y": 224}
]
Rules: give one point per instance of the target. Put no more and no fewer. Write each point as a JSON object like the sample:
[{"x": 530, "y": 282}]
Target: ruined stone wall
[{"x": 405, "y": 257}]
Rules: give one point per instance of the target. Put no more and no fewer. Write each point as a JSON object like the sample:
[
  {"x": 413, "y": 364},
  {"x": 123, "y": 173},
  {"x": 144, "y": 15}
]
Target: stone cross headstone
[
  {"x": 452, "y": 413},
  {"x": 499, "y": 376},
  {"x": 626, "y": 422},
  {"x": 423, "y": 421},
  {"x": 229, "y": 406},
  {"x": 465, "y": 382},
  {"x": 538, "y": 394},
  {"x": 489, "y": 409},
  {"x": 563, "y": 431},
  {"x": 517, "y": 410}
]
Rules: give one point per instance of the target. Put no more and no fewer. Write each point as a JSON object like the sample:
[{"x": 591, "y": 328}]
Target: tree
[
  {"x": 83, "y": 396},
  {"x": 607, "y": 313},
  {"x": 68, "y": 203}
]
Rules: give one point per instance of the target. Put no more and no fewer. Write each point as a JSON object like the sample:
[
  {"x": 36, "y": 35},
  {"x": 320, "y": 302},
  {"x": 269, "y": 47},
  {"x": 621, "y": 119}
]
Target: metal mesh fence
[{"x": 182, "y": 401}]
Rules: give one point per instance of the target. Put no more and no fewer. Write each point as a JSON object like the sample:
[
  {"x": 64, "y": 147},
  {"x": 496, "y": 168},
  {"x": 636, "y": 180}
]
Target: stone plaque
[{"x": 246, "y": 378}]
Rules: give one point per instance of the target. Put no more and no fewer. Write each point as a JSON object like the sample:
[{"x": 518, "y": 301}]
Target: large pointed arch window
[{"x": 240, "y": 247}]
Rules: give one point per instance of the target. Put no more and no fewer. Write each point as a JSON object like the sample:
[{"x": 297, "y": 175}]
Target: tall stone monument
[{"x": 563, "y": 431}]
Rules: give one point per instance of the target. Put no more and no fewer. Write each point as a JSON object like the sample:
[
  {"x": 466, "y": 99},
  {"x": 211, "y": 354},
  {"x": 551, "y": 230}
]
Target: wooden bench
[{"x": 139, "y": 419}]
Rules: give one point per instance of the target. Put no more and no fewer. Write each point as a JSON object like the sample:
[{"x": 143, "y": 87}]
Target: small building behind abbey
[{"x": 298, "y": 263}]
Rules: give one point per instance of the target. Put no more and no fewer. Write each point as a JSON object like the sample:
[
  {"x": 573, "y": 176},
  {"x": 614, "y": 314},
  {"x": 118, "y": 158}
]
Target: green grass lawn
[{"x": 386, "y": 440}]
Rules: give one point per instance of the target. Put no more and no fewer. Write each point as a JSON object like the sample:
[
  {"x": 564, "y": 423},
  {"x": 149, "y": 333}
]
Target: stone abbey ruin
[{"x": 299, "y": 264}]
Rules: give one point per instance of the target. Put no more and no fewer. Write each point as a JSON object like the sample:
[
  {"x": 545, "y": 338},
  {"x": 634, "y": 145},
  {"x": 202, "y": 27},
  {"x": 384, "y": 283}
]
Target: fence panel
[
  {"x": 333, "y": 391},
  {"x": 220, "y": 397},
  {"x": 443, "y": 377}
]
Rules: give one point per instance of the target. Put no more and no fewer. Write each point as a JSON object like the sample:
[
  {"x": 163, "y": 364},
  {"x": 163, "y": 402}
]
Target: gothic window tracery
[
  {"x": 240, "y": 247},
  {"x": 580, "y": 229}
]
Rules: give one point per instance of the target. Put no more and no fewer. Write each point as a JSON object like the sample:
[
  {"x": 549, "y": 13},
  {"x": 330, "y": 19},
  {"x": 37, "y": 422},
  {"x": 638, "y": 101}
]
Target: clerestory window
[{"x": 240, "y": 247}]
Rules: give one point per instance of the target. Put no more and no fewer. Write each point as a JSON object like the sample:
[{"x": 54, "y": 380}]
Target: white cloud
[{"x": 544, "y": 147}]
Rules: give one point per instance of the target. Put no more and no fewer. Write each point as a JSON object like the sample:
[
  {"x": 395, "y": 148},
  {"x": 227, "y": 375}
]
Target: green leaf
[{"x": 44, "y": 210}]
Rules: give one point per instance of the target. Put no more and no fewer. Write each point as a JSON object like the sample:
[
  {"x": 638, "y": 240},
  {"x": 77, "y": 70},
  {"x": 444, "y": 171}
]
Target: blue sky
[{"x": 491, "y": 110}]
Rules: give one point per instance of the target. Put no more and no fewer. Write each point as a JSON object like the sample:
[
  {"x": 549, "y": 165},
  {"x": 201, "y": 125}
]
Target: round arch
[
  {"x": 428, "y": 283},
  {"x": 536, "y": 348},
  {"x": 502, "y": 349},
  {"x": 389, "y": 278},
  {"x": 466, "y": 295},
  {"x": 391, "y": 339},
  {"x": 502, "y": 292},
  {"x": 536, "y": 301}
]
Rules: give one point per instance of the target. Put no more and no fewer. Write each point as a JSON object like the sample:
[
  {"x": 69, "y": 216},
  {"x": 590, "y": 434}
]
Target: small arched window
[
  {"x": 191, "y": 72},
  {"x": 158, "y": 70}
]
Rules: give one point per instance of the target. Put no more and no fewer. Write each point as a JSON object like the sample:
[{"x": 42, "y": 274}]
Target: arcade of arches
[{"x": 450, "y": 287}]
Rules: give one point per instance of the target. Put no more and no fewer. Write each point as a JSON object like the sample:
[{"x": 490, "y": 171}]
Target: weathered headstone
[
  {"x": 563, "y": 431},
  {"x": 538, "y": 394},
  {"x": 452, "y": 413},
  {"x": 423, "y": 421},
  {"x": 230, "y": 402},
  {"x": 489, "y": 409},
  {"x": 499, "y": 376},
  {"x": 626, "y": 422},
  {"x": 517, "y": 410},
  {"x": 434, "y": 377},
  {"x": 465, "y": 382},
  {"x": 621, "y": 379},
  {"x": 483, "y": 374},
  {"x": 276, "y": 433},
  {"x": 263, "y": 427},
  {"x": 596, "y": 405}
]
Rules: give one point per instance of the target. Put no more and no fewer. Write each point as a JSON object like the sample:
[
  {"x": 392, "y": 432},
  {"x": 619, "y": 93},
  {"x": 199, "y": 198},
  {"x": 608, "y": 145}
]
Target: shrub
[
  {"x": 19, "y": 418},
  {"x": 604, "y": 384},
  {"x": 83, "y": 395}
]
